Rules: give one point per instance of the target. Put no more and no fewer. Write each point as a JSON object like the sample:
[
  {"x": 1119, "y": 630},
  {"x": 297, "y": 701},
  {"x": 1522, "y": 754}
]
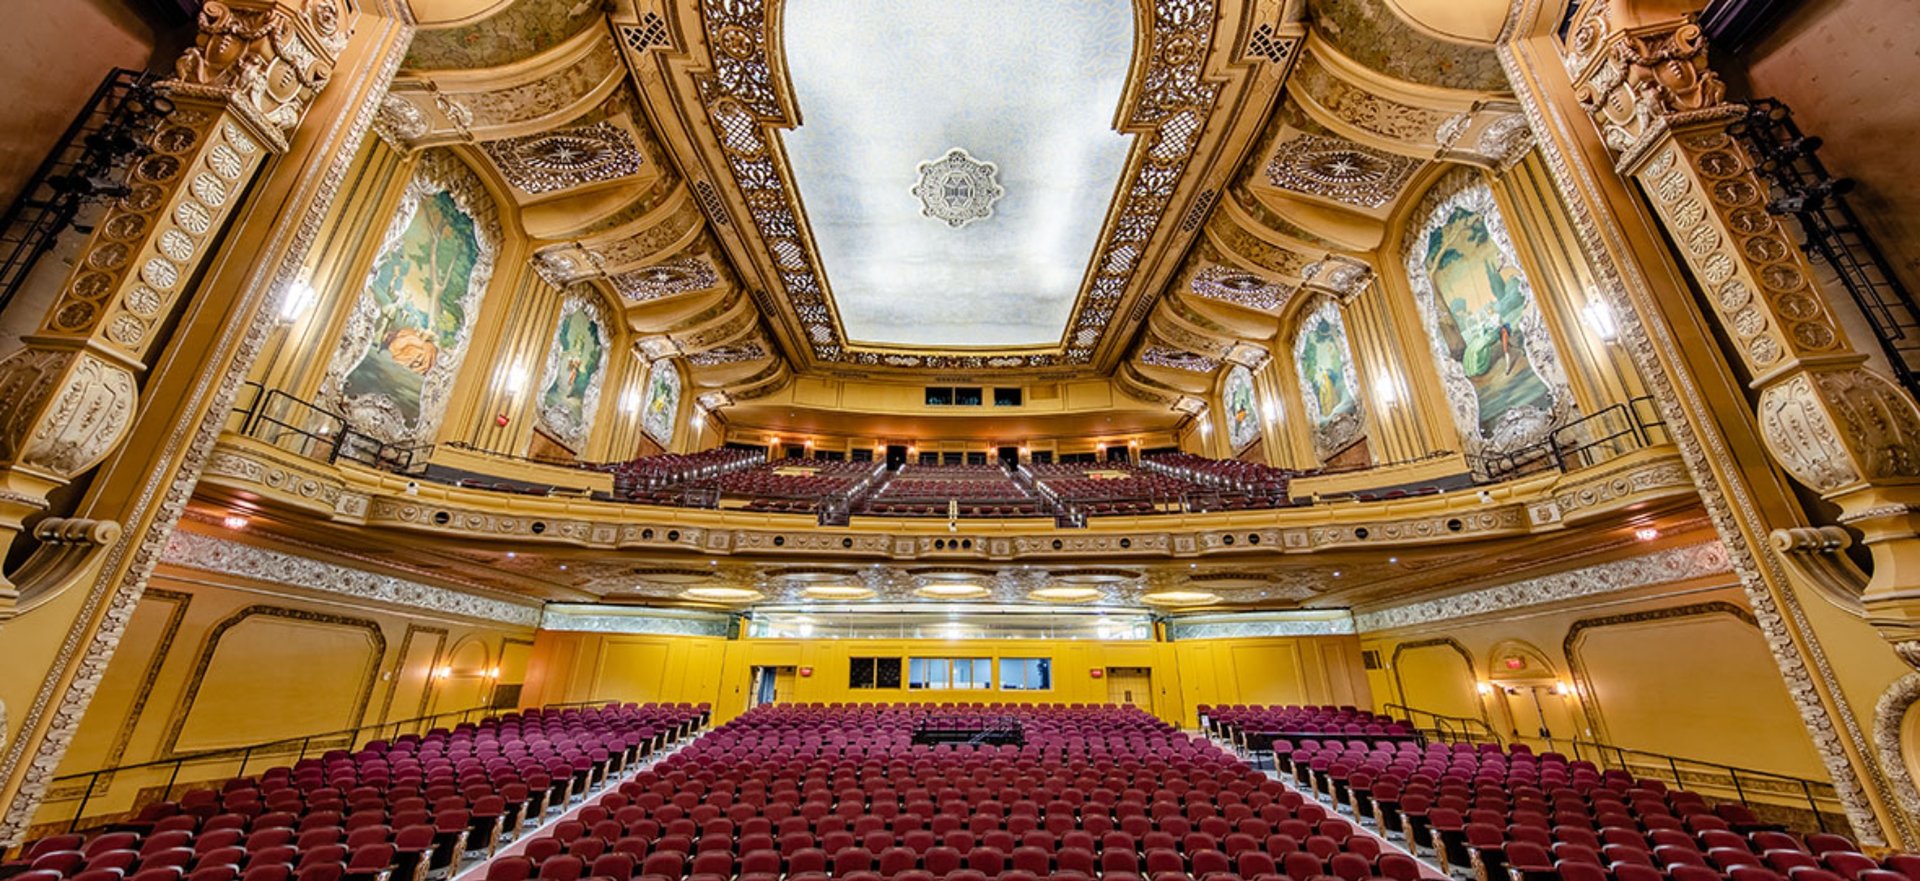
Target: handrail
[
  {"x": 1813, "y": 792},
  {"x": 246, "y": 752},
  {"x": 1450, "y": 729}
]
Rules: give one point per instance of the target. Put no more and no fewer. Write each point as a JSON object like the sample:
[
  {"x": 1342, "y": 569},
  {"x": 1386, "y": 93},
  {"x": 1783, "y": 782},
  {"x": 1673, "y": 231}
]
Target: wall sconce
[
  {"x": 493, "y": 673},
  {"x": 516, "y": 381},
  {"x": 297, "y": 301},
  {"x": 442, "y": 672},
  {"x": 1384, "y": 389},
  {"x": 1485, "y": 688},
  {"x": 1562, "y": 689},
  {"x": 1599, "y": 317}
]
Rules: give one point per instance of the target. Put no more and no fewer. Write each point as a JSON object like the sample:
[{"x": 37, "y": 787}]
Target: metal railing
[
  {"x": 1592, "y": 439},
  {"x": 311, "y": 431},
  {"x": 86, "y": 167},
  {"x": 298, "y": 747},
  {"x": 1803, "y": 188},
  {"x": 1718, "y": 778},
  {"x": 345, "y": 738},
  {"x": 1443, "y": 728}
]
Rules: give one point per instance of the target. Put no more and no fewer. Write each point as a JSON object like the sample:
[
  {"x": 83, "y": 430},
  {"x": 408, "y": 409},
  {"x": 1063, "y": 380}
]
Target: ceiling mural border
[{"x": 1171, "y": 98}]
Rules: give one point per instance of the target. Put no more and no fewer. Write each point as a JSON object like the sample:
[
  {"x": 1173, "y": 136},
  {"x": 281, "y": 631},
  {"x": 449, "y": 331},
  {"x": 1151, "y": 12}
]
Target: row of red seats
[
  {"x": 1505, "y": 813},
  {"x": 842, "y": 792},
  {"x": 398, "y": 809}
]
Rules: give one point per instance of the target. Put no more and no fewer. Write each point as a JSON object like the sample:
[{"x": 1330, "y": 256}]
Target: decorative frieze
[
  {"x": 1660, "y": 567},
  {"x": 208, "y": 553}
]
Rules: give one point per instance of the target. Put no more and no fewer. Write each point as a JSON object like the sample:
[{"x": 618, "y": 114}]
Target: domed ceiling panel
[{"x": 950, "y": 206}]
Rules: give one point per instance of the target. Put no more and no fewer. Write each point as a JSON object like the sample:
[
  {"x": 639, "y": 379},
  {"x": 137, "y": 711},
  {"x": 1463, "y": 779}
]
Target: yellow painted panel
[
  {"x": 632, "y": 671},
  {"x": 1683, "y": 685},
  {"x": 1268, "y": 674},
  {"x": 1437, "y": 678},
  {"x": 261, "y": 683}
]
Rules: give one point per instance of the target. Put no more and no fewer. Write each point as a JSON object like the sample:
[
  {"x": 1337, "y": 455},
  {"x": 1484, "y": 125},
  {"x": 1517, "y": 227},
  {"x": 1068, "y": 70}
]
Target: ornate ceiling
[{"x": 1143, "y": 189}]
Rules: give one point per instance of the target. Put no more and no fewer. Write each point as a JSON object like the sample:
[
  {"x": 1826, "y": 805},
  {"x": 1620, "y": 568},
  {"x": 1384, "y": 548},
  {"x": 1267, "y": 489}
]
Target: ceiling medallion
[
  {"x": 566, "y": 158},
  {"x": 957, "y": 188},
  {"x": 665, "y": 279},
  {"x": 1339, "y": 169},
  {"x": 1240, "y": 288}
]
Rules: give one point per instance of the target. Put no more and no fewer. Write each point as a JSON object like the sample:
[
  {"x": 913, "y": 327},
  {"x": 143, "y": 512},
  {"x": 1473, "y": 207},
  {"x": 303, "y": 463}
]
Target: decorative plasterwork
[
  {"x": 522, "y": 29},
  {"x": 677, "y": 276},
  {"x": 1224, "y": 627},
  {"x": 957, "y": 189},
  {"x": 1171, "y": 106},
  {"x": 566, "y": 158},
  {"x": 1660, "y": 567},
  {"x": 1179, "y": 359},
  {"x": 656, "y": 624},
  {"x": 1343, "y": 277},
  {"x": 194, "y": 550},
  {"x": 377, "y": 414},
  {"x": 1338, "y": 169},
  {"x": 1313, "y": 81},
  {"x": 1373, "y": 34},
  {"x": 718, "y": 355},
  {"x": 1812, "y": 683},
  {"x": 1241, "y": 288},
  {"x": 1519, "y": 426}
]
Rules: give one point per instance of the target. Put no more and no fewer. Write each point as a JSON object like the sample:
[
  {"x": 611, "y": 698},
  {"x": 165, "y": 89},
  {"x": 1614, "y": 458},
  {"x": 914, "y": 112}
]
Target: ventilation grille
[
  {"x": 711, "y": 203},
  {"x": 650, "y": 33},
  {"x": 1370, "y": 659}
]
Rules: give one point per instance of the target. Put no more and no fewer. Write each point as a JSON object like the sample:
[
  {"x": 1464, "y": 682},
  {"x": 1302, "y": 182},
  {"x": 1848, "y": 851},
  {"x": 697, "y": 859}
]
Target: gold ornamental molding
[{"x": 1195, "y": 68}]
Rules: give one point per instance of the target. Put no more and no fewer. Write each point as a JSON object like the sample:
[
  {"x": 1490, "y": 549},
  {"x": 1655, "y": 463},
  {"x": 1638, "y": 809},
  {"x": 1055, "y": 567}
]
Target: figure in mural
[
  {"x": 1243, "y": 415},
  {"x": 574, "y": 368},
  {"x": 1485, "y": 300},
  {"x": 1325, "y": 369},
  {"x": 663, "y": 402},
  {"x": 419, "y": 289}
]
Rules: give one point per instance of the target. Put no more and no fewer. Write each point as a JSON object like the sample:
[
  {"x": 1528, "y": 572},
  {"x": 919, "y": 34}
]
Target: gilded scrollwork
[{"x": 259, "y": 57}]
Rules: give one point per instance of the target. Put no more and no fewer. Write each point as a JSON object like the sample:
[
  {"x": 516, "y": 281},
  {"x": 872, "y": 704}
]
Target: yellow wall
[
  {"x": 1682, "y": 672},
  {"x": 590, "y": 666},
  {"x": 212, "y": 661}
]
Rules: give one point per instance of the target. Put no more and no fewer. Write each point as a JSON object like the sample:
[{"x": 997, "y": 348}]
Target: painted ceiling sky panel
[{"x": 979, "y": 256}]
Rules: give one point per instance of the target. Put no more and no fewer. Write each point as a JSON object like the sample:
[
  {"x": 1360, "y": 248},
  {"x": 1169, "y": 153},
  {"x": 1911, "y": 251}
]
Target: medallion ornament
[{"x": 957, "y": 189}]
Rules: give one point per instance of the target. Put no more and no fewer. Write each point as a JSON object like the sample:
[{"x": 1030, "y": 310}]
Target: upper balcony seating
[
  {"x": 792, "y": 485},
  {"x": 978, "y": 491},
  {"x": 640, "y": 479},
  {"x": 396, "y": 809},
  {"x": 811, "y": 793},
  {"x": 1110, "y": 488}
]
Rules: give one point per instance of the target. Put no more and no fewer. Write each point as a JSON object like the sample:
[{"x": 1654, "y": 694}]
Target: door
[
  {"x": 1010, "y": 456},
  {"x": 771, "y": 685},
  {"x": 1132, "y": 686},
  {"x": 896, "y": 456}
]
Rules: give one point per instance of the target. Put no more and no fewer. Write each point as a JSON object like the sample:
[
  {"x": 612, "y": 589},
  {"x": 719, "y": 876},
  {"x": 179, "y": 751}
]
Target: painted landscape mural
[
  {"x": 1243, "y": 413},
  {"x": 576, "y": 364},
  {"x": 663, "y": 402},
  {"x": 1497, "y": 361},
  {"x": 1324, "y": 365},
  {"x": 405, "y": 338}
]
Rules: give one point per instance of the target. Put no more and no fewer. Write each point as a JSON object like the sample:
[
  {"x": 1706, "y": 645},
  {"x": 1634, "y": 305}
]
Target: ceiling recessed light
[
  {"x": 721, "y": 594},
  {"x": 1065, "y": 594},
  {"x": 953, "y": 591},
  {"x": 1181, "y": 598},
  {"x": 837, "y": 592}
]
